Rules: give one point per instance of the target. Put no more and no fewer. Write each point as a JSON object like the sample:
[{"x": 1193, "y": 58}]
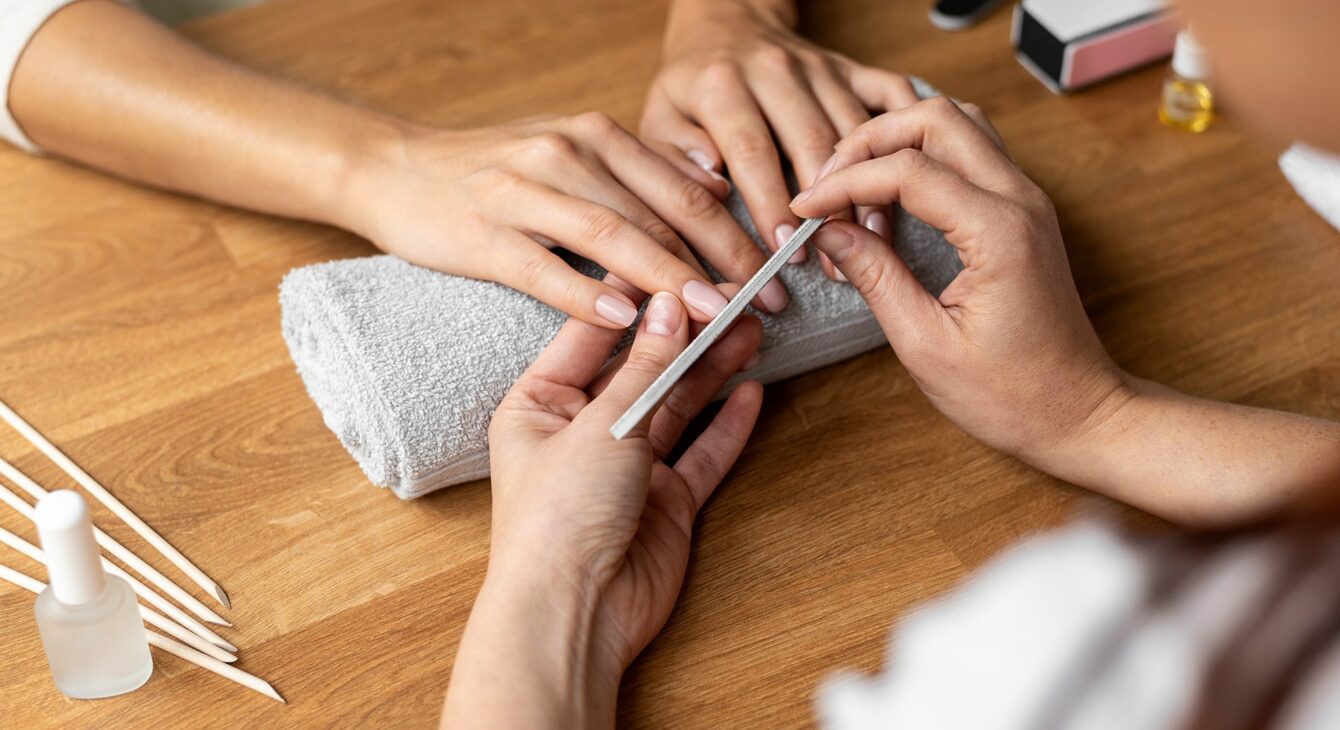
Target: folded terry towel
[{"x": 407, "y": 364}]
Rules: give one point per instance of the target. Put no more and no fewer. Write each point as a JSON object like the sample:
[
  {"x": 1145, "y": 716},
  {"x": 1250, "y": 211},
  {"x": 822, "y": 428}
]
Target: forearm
[
  {"x": 1200, "y": 462},
  {"x": 686, "y": 15},
  {"x": 106, "y": 86},
  {"x": 526, "y": 660}
]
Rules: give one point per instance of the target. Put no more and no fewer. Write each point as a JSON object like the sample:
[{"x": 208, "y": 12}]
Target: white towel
[{"x": 407, "y": 365}]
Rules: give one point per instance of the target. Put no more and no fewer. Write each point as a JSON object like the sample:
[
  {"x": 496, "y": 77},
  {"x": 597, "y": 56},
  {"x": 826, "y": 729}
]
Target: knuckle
[
  {"x": 663, "y": 234},
  {"x": 601, "y": 226},
  {"x": 749, "y": 145},
  {"x": 910, "y": 160},
  {"x": 496, "y": 181},
  {"x": 695, "y": 200},
  {"x": 668, "y": 269},
  {"x": 720, "y": 72},
  {"x": 814, "y": 138},
  {"x": 940, "y": 106},
  {"x": 743, "y": 257},
  {"x": 598, "y": 123},
  {"x": 871, "y": 280},
  {"x": 774, "y": 58},
  {"x": 551, "y": 146},
  {"x": 644, "y": 360},
  {"x": 532, "y": 271}
]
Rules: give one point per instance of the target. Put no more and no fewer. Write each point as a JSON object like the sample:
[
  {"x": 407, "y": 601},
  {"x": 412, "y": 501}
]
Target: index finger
[{"x": 938, "y": 127}]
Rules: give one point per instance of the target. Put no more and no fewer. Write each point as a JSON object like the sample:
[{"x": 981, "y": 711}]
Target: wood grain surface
[{"x": 140, "y": 331}]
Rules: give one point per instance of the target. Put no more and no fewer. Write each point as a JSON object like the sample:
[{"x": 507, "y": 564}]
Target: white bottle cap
[
  {"x": 73, "y": 563},
  {"x": 1190, "y": 61}
]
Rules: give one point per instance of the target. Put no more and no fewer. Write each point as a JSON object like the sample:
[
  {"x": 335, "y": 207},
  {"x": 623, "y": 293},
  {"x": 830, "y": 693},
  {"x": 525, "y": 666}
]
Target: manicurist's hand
[
  {"x": 1008, "y": 354},
  {"x": 491, "y": 203},
  {"x": 1006, "y": 351},
  {"x": 591, "y": 535},
  {"x": 735, "y": 76}
]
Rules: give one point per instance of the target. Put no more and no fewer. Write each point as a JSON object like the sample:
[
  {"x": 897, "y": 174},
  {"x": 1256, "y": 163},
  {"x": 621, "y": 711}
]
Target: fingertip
[
  {"x": 748, "y": 395},
  {"x": 615, "y": 310},
  {"x": 708, "y": 161},
  {"x": 837, "y": 239},
  {"x": 665, "y": 315}
]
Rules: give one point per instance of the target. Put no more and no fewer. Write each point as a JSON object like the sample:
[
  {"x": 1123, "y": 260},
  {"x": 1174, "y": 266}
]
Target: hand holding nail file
[{"x": 661, "y": 387}]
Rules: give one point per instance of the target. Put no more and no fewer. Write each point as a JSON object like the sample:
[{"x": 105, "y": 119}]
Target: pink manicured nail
[
  {"x": 827, "y": 168},
  {"x": 834, "y": 243},
  {"x": 718, "y": 177},
  {"x": 704, "y": 298},
  {"x": 663, "y": 314},
  {"x": 703, "y": 160},
  {"x": 804, "y": 194},
  {"x": 616, "y": 310},
  {"x": 878, "y": 223},
  {"x": 839, "y": 275},
  {"x": 774, "y": 297},
  {"x": 783, "y": 234},
  {"x": 750, "y": 363}
]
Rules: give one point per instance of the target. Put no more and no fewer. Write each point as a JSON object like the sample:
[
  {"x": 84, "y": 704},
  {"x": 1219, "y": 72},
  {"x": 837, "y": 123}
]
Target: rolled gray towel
[{"x": 407, "y": 364}]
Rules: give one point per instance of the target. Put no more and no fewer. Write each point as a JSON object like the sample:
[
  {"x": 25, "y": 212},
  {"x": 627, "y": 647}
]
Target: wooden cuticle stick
[
  {"x": 110, "y": 501},
  {"x": 119, "y": 551},
  {"x": 140, "y": 589}
]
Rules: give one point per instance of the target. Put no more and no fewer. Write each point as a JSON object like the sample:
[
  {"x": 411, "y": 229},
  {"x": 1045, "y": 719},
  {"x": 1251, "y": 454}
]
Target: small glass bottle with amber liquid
[{"x": 1187, "y": 100}]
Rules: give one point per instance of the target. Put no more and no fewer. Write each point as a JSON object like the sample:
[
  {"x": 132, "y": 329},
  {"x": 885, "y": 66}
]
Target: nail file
[{"x": 661, "y": 386}]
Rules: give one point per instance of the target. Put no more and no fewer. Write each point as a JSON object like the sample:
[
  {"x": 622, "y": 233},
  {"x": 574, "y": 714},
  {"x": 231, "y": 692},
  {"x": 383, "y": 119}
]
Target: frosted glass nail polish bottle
[{"x": 90, "y": 621}]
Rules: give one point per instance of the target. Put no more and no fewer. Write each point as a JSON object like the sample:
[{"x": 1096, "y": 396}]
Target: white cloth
[
  {"x": 1089, "y": 628},
  {"x": 1316, "y": 177}
]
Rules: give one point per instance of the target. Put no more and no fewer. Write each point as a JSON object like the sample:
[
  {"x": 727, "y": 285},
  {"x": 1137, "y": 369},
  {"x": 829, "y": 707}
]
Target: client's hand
[
  {"x": 591, "y": 535},
  {"x": 489, "y": 203},
  {"x": 1006, "y": 352},
  {"x": 735, "y": 75}
]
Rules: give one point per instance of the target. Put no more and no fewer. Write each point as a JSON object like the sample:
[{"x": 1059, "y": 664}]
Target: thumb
[{"x": 904, "y": 310}]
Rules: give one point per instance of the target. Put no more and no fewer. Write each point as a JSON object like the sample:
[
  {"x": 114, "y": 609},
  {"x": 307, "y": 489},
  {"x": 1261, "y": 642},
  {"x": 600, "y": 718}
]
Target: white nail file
[{"x": 662, "y": 385}]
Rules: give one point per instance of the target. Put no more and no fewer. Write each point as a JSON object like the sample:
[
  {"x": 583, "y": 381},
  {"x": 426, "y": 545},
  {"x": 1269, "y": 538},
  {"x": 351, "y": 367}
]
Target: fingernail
[
  {"x": 783, "y": 233},
  {"x": 837, "y": 273},
  {"x": 663, "y": 314},
  {"x": 750, "y": 363},
  {"x": 717, "y": 176},
  {"x": 878, "y": 223},
  {"x": 804, "y": 194},
  {"x": 704, "y": 298},
  {"x": 827, "y": 168},
  {"x": 798, "y": 257},
  {"x": 616, "y": 310},
  {"x": 703, "y": 160},
  {"x": 774, "y": 297},
  {"x": 836, "y": 243}
]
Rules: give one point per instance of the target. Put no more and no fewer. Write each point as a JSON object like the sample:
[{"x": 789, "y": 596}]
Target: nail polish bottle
[
  {"x": 1187, "y": 102},
  {"x": 89, "y": 621}
]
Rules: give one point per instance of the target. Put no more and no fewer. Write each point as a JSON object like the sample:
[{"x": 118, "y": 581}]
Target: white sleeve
[{"x": 19, "y": 22}]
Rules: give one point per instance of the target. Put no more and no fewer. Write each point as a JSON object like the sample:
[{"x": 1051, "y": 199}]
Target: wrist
[
  {"x": 530, "y": 652},
  {"x": 689, "y": 17},
  {"x": 372, "y": 154},
  {"x": 1109, "y": 413}
]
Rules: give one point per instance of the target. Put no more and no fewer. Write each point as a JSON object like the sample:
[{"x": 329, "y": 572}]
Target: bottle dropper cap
[
  {"x": 1190, "y": 61},
  {"x": 73, "y": 563}
]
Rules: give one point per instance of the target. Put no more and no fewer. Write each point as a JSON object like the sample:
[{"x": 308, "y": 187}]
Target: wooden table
[{"x": 141, "y": 333}]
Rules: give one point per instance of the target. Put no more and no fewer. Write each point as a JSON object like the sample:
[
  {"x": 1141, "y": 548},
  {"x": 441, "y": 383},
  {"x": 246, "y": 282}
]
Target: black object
[{"x": 959, "y": 14}]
